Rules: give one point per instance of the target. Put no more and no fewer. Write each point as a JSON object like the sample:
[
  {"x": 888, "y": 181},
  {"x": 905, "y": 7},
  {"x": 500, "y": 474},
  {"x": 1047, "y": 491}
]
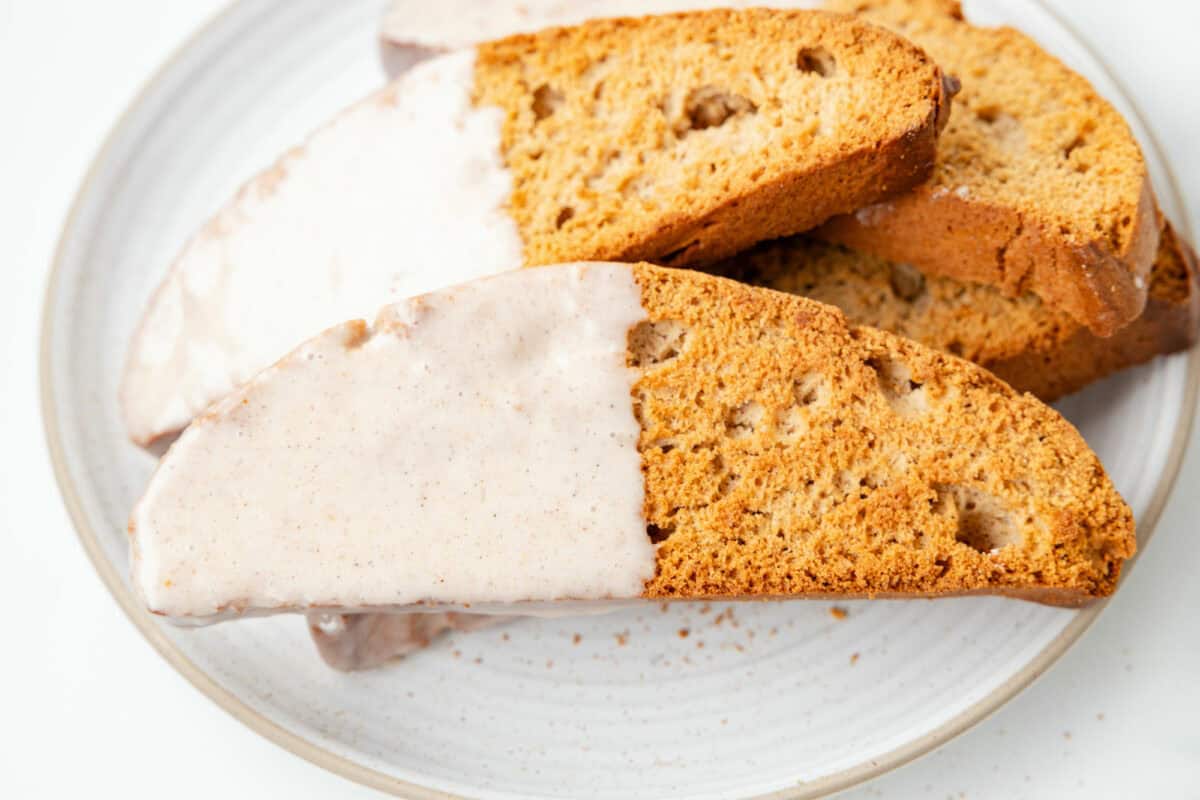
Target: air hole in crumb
[
  {"x": 659, "y": 534},
  {"x": 908, "y": 283},
  {"x": 942, "y": 565},
  {"x": 652, "y": 343},
  {"x": 810, "y": 389},
  {"x": 816, "y": 60},
  {"x": 905, "y": 396},
  {"x": 727, "y": 484},
  {"x": 546, "y": 100},
  {"x": 742, "y": 420},
  {"x": 1075, "y": 144},
  {"x": 1080, "y": 139},
  {"x": 791, "y": 423},
  {"x": 564, "y": 215},
  {"x": 984, "y": 523},
  {"x": 710, "y": 107},
  {"x": 849, "y": 482},
  {"x": 988, "y": 114},
  {"x": 1005, "y": 130},
  {"x": 872, "y": 480}
]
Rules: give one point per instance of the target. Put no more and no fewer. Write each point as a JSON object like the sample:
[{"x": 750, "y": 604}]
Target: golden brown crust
[
  {"x": 1040, "y": 185},
  {"x": 1021, "y": 339},
  {"x": 688, "y": 137},
  {"x": 975, "y": 241},
  {"x": 1046, "y": 595},
  {"x": 788, "y": 453}
]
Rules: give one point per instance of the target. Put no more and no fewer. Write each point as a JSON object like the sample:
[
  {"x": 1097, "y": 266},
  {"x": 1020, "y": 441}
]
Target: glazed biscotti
[
  {"x": 611, "y": 432},
  {"x": 681, "y": 138},
  {"x": 1020, "y": 339},
  {"x": 1040, "y": 186}
]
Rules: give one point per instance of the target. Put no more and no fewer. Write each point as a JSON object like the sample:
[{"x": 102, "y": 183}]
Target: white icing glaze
[
  {"x": 401, "y": 194},
  {"x": 458, "y": 23},
  {"x": 478, "y": 448}
]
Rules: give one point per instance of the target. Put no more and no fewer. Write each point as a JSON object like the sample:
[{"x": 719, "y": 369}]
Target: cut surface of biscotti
[
  {"x": 613, "y": 432},
  {"x": 687, "y": 137},
  {"x": 677, "y": 138},
  {"x": 1040, "y": 185},
  {"x": 1020, "y": 339}
]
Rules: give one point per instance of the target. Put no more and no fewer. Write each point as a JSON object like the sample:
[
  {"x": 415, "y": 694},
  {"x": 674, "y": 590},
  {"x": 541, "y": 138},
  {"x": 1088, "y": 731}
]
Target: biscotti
[
  {"x": 681, "y": 139},
  {"x": 621, "y": 432},
  {"x": 685, "y": 138},
  {"x": 1020, "y": 339},
  {"x": 1040, "y": 185}
]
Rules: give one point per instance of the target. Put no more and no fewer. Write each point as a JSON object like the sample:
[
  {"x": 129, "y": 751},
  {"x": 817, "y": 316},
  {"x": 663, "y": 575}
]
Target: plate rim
[{"x": 366, "y": 776}]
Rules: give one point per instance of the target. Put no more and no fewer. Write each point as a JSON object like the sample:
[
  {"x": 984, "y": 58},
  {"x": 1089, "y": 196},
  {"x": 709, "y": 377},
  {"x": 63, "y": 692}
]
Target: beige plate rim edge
[{"x": 375, "y": 779}]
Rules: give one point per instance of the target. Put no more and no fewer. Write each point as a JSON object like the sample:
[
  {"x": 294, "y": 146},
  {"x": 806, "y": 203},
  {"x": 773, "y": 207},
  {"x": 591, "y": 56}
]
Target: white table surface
[{"x": 91, "y": 710}]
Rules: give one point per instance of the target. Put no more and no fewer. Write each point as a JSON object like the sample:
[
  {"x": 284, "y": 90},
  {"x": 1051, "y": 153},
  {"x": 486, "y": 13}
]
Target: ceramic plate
[{"x": 696, "y": 701}]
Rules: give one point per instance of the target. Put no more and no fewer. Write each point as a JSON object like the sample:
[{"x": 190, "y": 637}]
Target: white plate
[{"x": 770, "y": 698}]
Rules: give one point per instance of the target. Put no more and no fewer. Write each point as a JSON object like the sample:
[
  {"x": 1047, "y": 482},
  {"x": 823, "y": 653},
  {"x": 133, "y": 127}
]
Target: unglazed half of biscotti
[
  {"x": 1031, "y": 346},
  {"x": 609, "y": 432},
  {"x": 1040, "y": 185},
  {"x": 679, "y": 138}
]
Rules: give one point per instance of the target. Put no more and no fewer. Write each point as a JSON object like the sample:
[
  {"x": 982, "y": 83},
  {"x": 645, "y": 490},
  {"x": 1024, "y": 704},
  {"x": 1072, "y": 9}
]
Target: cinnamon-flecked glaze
[{"x": 476, "y": 446}]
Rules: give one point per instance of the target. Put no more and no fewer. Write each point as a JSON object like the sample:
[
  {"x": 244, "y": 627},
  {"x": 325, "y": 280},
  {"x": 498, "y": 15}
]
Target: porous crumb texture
[
  {"x": 684, "y": 138},
  {"x": 786, "y": 452},
  {"x": 1031, "y": 346},
  {"x": 1039, "y": 183}
]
